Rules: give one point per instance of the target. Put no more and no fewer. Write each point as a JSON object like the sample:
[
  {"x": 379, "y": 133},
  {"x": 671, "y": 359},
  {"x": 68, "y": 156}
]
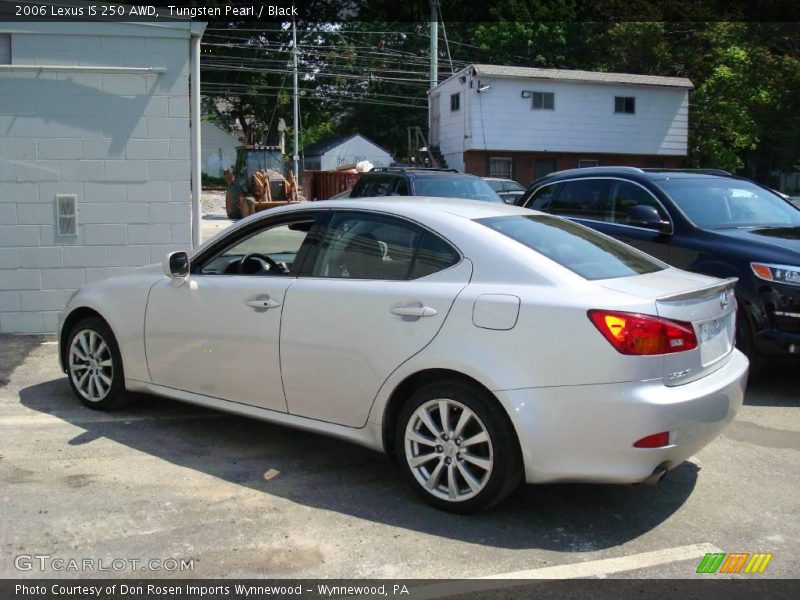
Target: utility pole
[
  {"x": 434, "y": 44},
  {"x": 296, "y": 146}
]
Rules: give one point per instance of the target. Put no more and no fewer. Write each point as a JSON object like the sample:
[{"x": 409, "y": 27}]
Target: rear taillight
[
  {"x": 637, "y": 334},
  {"x": 657, "y": 440}
]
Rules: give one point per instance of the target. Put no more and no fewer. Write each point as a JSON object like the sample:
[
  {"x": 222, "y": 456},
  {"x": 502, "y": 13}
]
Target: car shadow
[
  {"x": 329, "y": 474},
  {"x": 774, "y": 385}
]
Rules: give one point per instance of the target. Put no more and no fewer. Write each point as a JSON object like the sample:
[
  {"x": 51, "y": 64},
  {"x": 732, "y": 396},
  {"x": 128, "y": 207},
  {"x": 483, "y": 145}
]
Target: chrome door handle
[
  {"x": 413, "y": 311},
  {"x": 262, "y": 304}
]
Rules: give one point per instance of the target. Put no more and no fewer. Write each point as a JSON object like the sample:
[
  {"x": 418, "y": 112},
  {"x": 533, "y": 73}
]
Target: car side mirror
[
  {"x": 176, "y": 265},
  {"x": 646, "y": 216}
]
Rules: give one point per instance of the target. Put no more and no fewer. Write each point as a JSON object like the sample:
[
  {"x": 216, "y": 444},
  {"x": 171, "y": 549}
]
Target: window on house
[
  {"x": 5, "y": 48},
  {"x": 587, "y": 162},
  {"x": 500, "y": 167},
  {"x": 543, "y": 100},
  {"x": 625, "y": 104},
  {"x": 455, "y": 102}
]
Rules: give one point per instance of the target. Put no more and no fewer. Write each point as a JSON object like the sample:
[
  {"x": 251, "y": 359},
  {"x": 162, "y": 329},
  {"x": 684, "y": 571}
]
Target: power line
[{"x": 323, "y": 99}]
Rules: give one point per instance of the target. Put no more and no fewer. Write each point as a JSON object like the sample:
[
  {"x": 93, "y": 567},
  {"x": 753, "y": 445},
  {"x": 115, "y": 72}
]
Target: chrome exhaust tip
[{"x": 656, "y": 476}]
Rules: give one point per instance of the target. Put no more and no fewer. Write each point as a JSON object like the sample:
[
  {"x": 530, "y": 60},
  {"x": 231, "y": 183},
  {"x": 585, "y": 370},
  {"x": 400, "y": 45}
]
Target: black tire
[
  {"x": 745, "y": 342},
  {"x": 108, "y": 396},
  {"x": 506, "y": 470}
]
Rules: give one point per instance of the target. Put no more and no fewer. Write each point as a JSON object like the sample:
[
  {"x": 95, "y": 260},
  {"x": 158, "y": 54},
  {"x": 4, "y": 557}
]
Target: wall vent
[
  {"x": 67, "y": 214},
  {"x": 5, "y": 48}
]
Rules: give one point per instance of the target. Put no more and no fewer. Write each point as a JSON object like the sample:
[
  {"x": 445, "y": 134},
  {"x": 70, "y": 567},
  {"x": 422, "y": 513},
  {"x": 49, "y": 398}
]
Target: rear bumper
[{"x": 586, "y": 433}]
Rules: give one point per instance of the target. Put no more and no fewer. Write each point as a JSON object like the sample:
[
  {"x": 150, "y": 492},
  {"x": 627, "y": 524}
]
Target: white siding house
[
  {"x": 95, "y": 162},
  {"x": 333, "y": 153},
  {"x": 219, "y": 149},
  {"x": 487, "y": 119}
]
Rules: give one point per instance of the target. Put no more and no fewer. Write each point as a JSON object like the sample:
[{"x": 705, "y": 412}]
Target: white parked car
[{"x": 482, "y": 344}]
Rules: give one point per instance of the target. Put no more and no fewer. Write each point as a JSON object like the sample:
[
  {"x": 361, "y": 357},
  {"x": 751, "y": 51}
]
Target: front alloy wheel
[
  {"x": 94, "y": 365},
  {"x": 90, "y": 365}
]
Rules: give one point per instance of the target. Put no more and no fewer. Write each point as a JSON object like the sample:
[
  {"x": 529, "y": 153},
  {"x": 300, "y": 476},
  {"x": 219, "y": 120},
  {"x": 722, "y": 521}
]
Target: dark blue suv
[{"x": 705, "y": 221}]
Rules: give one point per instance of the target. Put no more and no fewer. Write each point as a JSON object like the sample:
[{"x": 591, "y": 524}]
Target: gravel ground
[{"x": 213, "y": 202}]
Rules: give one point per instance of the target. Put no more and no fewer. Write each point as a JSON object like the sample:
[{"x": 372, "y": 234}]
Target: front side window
[
  {"x": 543, "y": 100},
  {"x": 718, "y": 202},
  {"x": 625, "y": 105},
  {"x": 274, "y": 250},
  {"x": 577, "y": 248},
  {"x": 368, "y": 246},
  {"x": 583, "y": 198},
  {"x": 625, "y": 196},
  {"x": 543, "y": 196}
]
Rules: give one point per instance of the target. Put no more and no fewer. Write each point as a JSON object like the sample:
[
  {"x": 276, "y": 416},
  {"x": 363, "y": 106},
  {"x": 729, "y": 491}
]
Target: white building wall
[
  {"x": 583, "y": 120},
  {"x": 218, "y": 149},
  {"x": 452, "y": 124},
  {"x": 354, "y": 150},
  {"x": 120, "y": 142}
]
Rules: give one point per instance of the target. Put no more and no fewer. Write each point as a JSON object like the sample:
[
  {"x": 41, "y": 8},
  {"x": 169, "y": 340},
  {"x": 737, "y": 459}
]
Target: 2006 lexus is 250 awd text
[{"x": 481, "y": 344}]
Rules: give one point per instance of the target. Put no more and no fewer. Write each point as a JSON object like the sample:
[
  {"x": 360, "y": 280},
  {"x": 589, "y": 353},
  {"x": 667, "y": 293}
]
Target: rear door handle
[
  {"x": 413, "y": 310},
  {"x": 262, "y": 303}
]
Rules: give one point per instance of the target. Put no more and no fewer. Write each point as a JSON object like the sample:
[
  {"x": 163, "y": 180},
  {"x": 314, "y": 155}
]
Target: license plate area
[{"x": 715, "y": 337}]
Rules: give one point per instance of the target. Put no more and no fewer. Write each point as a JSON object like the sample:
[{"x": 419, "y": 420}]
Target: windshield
[
  {"x": 454, "y": 186},
  {"x": 579, "y": 249},
  {"x": 718, "y": 203}
]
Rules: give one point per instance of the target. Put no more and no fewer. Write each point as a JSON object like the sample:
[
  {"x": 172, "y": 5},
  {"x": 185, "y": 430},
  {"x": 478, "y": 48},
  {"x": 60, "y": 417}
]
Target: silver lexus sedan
[{"x": 480, "y": 344}]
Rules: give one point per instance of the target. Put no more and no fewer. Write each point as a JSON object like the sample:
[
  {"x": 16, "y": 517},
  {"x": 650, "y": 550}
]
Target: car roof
[
  {"x": 417, "y": 172},
  {"x": 410, "y": 206},
  {"x": 637, "y": 174}
]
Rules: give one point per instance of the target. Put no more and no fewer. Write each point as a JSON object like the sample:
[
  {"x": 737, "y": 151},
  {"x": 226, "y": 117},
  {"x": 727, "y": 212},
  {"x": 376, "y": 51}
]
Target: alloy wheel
[
  {"x": 449, "y": 450},
  {"x": 91, "y": 366}
]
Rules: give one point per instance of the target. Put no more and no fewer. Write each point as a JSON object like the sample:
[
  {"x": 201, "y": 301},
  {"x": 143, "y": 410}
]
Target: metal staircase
[{"x": 420, "y": 154}]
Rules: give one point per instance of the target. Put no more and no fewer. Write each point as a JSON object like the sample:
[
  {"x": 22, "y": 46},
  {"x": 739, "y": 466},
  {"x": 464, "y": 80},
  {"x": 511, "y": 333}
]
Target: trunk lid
[{"x": 705, "y": 302}]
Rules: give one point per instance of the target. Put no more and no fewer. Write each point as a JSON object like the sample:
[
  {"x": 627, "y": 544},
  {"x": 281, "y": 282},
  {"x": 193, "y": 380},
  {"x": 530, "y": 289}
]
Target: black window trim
[
  {"x": 457, "y": 97},
  {"x": 230, "y": 238},
  {"x": 542, "y": 107},
  {"x": 636, "y": 227},
  {"x": 623, "y": 111},
  {"x": 425, "y": 229}
]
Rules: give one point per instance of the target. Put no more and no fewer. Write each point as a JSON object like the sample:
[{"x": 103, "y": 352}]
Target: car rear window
[
  {"x": 455, "y": 186},
  {"x": 578, "y": 248}
]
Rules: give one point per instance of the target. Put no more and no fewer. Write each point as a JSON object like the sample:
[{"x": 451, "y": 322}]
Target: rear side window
[
  {"x": 579, "y": 249},
  {"x": 434, "y": 254},
  {"x": 582, "y": 198},
  {"x": 374, "y": 185},
  {"x": 401, "y": 189},
  {"x": 369, "y": 246}
]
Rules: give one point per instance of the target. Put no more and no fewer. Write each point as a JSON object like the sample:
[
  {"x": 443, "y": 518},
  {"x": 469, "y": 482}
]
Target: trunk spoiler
[{"x": 704, "y": 292}]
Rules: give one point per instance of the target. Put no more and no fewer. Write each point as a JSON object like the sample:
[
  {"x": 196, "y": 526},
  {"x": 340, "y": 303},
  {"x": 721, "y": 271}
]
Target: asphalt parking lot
[{"x": 241, "y": 498}]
